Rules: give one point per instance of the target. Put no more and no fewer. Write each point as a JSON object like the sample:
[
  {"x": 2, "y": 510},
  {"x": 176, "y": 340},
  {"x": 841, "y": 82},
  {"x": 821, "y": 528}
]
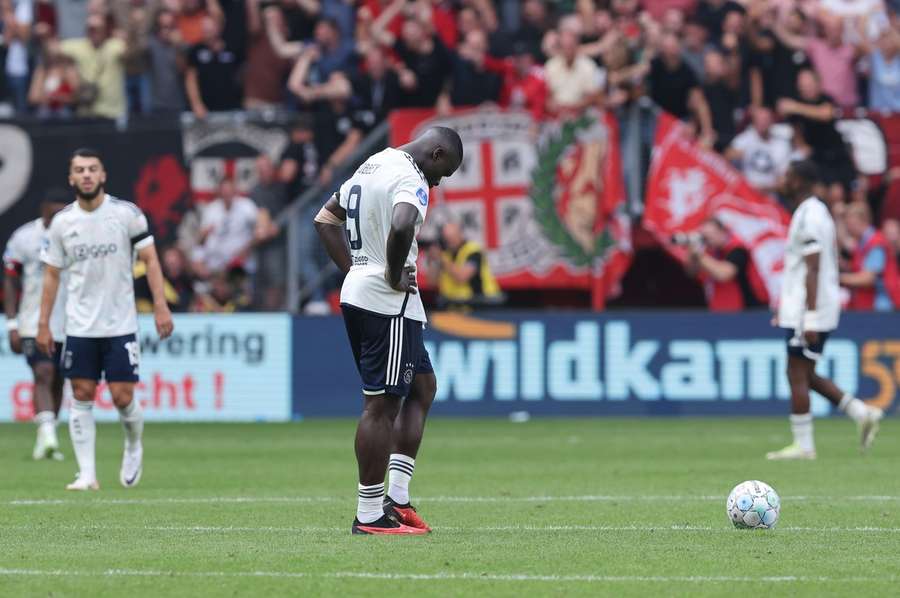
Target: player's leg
[
  {"x": 121, "y": 360},
  {"x": 83, "y": 431},
  {"x": 409, "y": 428},
  {"x": 867, "y": 418},
  {"x": 376, "y": 343},
  {"x": 800, "y": 367},
  {"x": 47, "y": 444},
  {"x": 81, "y": 365}
]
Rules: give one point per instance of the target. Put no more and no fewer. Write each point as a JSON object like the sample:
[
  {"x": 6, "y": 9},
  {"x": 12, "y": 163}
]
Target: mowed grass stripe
[
  {"x": 37, "y": 502},
  {"x": 449, "y": 576}
]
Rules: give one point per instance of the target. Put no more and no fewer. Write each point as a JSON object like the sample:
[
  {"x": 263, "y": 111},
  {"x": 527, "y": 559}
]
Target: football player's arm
[
  {"x": 329, "y": 223},
  {"x": 161, "y": 313},
  {"x": 11, "y": 288},
  {"x": 812, "y": 280},
  {"x": 50, "y": 287},
  {"x": 403, "y": 230}
]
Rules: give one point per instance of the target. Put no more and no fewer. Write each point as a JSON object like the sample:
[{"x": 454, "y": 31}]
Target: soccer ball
[{"x": 753, "y": 505}]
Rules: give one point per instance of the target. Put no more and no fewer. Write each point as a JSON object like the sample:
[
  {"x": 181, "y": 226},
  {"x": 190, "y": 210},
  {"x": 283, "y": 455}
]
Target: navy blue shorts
[
  {"x": 114, "y": 359},
  {"x": 798, "y": 347},
  {"x": 389, "y": 351},
  {"x": 34, "y": 356}
]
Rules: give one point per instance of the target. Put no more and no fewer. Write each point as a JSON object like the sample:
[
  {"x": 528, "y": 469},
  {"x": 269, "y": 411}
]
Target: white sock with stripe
[
  {"x": 83, "y": 431},
  {"x": 802, "y": 427},
  {"x": 400, "y": 472},
  {"x": 370, "y": 506}
]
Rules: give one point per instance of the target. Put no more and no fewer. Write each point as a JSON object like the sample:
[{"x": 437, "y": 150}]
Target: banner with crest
[
  {"x": 547, "y": 202},
  {"x": 688, "y": 184}
]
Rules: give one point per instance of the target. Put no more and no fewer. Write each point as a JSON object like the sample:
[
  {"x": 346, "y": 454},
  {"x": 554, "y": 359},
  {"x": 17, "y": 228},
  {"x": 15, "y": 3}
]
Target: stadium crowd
[{"x": 731, "y": 69}]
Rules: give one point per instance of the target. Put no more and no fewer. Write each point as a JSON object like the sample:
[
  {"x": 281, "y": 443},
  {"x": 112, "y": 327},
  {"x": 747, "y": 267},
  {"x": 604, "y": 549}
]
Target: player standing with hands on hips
[
  {"x": 809, "y": 311},
  {"x": 369, "y": 229},
  {"x": 94, "y": 240}
]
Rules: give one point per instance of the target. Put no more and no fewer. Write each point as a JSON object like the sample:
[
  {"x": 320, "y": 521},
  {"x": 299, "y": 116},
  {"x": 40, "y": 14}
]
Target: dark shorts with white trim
[
  {"x": 389, "y": 351},
  {"x": 34, "y": 356},
  {"x": 798, "y": 347}
]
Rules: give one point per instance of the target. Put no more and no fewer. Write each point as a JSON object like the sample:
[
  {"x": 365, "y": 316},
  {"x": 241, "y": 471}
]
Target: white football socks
[
  {"x": 369, "y": 508},
  {"x": 83, "y": 431},
  {"x": 400, "y": 472},
  {"x": 46, "y": 422},
  {"x": 853, "y": 407},
  {"x": 132, "y": 418},
  {"x": 802, "y": 427}
]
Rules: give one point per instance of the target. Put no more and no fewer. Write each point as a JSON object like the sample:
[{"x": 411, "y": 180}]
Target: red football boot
[
  {"x": 406, "y": 514},
  {"x": 386, "y": 526}
]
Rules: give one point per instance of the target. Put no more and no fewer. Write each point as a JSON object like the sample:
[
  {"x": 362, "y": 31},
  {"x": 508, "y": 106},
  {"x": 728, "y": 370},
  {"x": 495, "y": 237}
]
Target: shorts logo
[
  {"x": 423, "y": 196},
  {"x": 407, "y": 377}
]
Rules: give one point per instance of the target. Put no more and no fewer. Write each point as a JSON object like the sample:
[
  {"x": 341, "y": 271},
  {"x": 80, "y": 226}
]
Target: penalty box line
[{"x": 443, "y": 576}]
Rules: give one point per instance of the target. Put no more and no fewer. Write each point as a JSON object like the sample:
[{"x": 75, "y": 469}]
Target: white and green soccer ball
[{"x": 753, "y": 505}]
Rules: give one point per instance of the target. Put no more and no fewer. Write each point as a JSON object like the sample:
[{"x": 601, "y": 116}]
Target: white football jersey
[
  {"x": 23, "y": 253},
  {"x": 369, "y": 196},
  {"x": 812, "y": 231},
  {"x": 97, "y": 250}
]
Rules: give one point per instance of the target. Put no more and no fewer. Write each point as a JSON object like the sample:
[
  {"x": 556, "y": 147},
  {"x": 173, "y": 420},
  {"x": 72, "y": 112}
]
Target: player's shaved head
[
  {"x": 438, "y": 152},
  {"x": 800, "y": 179}
]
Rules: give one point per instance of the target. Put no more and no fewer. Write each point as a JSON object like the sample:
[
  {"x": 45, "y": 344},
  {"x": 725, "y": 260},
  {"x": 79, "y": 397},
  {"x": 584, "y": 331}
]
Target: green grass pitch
[{"x": 617, "y": 507}]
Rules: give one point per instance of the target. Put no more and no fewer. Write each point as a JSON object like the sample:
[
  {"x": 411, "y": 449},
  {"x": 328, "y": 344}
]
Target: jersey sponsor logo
[
  {"x": 423, "y": 196},
  {"x": 360, "y": 260},
  {"x": 84, "y": 251}
]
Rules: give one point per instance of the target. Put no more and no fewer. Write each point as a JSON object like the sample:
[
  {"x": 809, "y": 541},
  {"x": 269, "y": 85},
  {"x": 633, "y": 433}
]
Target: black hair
[
  {"x": 57, "y": 195},
  {"x": 451, "y": 138},
  {"x": 806, "y": 170},
  {"x": 85, "y": 152}
]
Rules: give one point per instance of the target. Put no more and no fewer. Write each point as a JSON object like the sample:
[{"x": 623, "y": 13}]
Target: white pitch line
[
  {"x": 452, "y": 529},
  {"x": 446, "y": 576},
  {"x": 424, "y": 499}
]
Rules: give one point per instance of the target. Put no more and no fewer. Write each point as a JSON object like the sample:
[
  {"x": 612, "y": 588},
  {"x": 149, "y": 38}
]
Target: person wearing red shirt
[{"x": 523, "y": 87}]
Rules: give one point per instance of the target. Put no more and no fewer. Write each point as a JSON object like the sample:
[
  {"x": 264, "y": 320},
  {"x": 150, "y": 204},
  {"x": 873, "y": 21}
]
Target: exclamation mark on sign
[{"x": 219, "y": 390}]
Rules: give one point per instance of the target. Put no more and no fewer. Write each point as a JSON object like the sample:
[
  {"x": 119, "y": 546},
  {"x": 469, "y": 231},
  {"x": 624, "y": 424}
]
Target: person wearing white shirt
[
  {"x": 22, "y": 303},
  {"x": 762, "y": 156},
  {"x": 809, "y": 311},
  {"x": 228, "y": 227},
  {"x": 369, "y": 230},
  {"x": 94, "y": 240}
]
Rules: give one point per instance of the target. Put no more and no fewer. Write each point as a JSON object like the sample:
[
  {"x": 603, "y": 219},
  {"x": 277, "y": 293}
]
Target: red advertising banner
[
  {"x": 688, "y": 184},
  {"x": 546, "y": 202}
]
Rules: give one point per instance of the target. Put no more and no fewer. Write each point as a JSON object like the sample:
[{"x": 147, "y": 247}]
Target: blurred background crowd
[{"x": 761, "y": 81}]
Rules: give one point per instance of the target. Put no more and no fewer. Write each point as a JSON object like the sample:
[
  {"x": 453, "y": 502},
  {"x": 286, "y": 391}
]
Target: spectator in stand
[
  {"x": 723, "y": 97},
  {"x": 712, "y": 14},
  {"x": 461, "y": 270},
  {"x": 191, "y": 20},
  {"x": 299, "y": 164},
  {"x": 869, "y": 262},
  {"x": 735, "y": 48},
  {"x": 300, "y": 17},
  {"x": 535, "y": 23},
  {"x": 228, "y": 233},
  {"x": 471, "y": 82},
  {"x": 774, "y": 65},
  {"x": 884, "y": 75},
  {"x": 269, "y": 195},
  {"x": 211, "y": 80},
  {"x": 726, "y": 268},
  {"x": 427, "y": 60},
  {"x": 814, "y": 114},
  {"x": 54, "y": 84},
  {"x": 674, "y": 87},
  {"x": 225, "y": 294},
  {"x": 98, "y": 58},
  {"x": 524, "y": 87},
  {"x": 377, "y": 88},
  {"x": 166, "y": 66},
  {"x": 574, "y": 81},
  {"x": 136, "y": 61},
  {"x": 177, "y": 284},
  {"x": 266, "y": 71},
  {"x": 334, "y": 54},
  {"x": 833, "y": 59},
  {"x": 762, "y": 157},
  {"x": 695, "y": 47},
  {"x": 17, "y": 17}
]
